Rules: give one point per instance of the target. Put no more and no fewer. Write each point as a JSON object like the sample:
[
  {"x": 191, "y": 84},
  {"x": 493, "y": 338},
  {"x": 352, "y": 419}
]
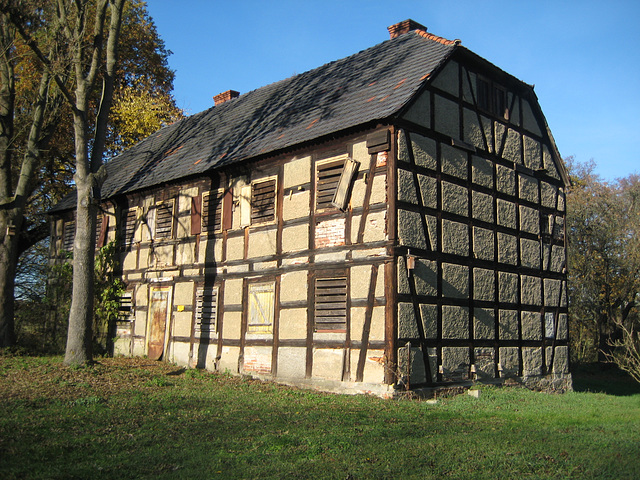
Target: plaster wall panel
[
  {"x": 162, "y": 255},
  {"x": 558, "y": 260},
  {"x": 181, "y": 324},
  {"x": 508, "y": 321},
  {"x": 507, "y": 248},
  {"x": 262, "y": 244},
  {"x": 373, "y": 366},
  {"x": 529, "y": 220},
  {"x": 506, "y": 214},
  {"x": 469, "y": 80},
  {"x": 327, "y": 363},
  {"x": 235, "y": 248},
  {"x": 291, "y": 362},
  {"x": 429, "y": 315},
  {"x": 185, "y": 253},
  {"x": 482, "y": 207},
  {"x": 420, "y": 111},
  {"x": 210, "y": 249},
  {"x": 528, "y": 187},
  {"x": 474, "y": 129},
  {"x": 183, "y": 293},
  {"x": 455, "y": 199},
  {"x": 509, "y": 361},
  {"x": 231, "y": 326},
  {"x": 378, "y": 190},
  {"x": 376, "y": 328},
  {"x": 563, "y": 327},
  {"x": 531, "y": 288},
  {"x": 455, "y": 281},
  {"x": 447, "y": 79},
  {"x": 531, "y": 326},
  {"x": 375, "y": 227},
  {"x": 407, "y": 323},
  {"x": 446, "y": 117},
  {"x": 529, "y": 121},
  {"x": 410, "y": 229},
  {"x": 483, "y": 243},
  {"x": 454, "y": 161},
  {"x": 554, "y": 294},
  {"x": 129, "y": 261},
  {"x": 500, "y": 136},
  {"x": 424, "y": 152},
  {"x": 482, "y": 171},
  {"x": 484, "y": 285},
  {"x": 549, "y": 164},
  {"x": 425, "y": 275},
  {"x": 229, "y": 359},
  {"x": 507, "y": 287},
  {"x": 360, "y": 153},
  {"x": 531, "y": 361},
  {"x": 456, "y": 362},
  {"x": 332, "y": 257},
  {"x": 406, "y": 187},
  {"x": 295, "y": 205},
  {"x": 532, "y": 153},
  {"x": 358, "y": 193},
  {"x": 505, "y": 180},
  {"x": 295, "y": 238},
  {"x": 293, "y": 286},
  {"x": 512, "y": 147},
  {"x": 233, "y": 292},
  {"x": 429, "y": 189},
  {"x": 529, "y": 253},
  {"x": 455, "y": 238},
  {"x": 484, "y": 323},
  {"x": 561, "y": 360},
  {"x": 549, "y": 195},
  {"x": 455, "y": 322},
  {"x": 183, "y": 218},
  {"x": 297, "y": 172},
  {"x": 360, "y": 281}
]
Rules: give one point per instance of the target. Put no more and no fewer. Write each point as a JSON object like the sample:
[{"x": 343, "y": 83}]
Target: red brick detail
[
  {"x": 225, "y": 96},
  {"x": 253, "y": 364},
  {"x": 330, "y": 233},
  {"x": 403, "y": 27}
]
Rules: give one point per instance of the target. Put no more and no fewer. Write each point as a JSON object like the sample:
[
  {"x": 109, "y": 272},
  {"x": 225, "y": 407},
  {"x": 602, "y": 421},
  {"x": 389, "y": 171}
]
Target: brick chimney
[
  {"x": 404, "y": 27},
  {"x": 225, "y": 96}
]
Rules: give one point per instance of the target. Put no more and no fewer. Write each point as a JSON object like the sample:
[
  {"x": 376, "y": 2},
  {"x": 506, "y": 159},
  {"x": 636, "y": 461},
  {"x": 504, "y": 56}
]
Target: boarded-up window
[
  {"x": 212, "y": 212},
  {"x": 261, "y": 307},
  {"x": 206, "y": 310},
  {"x": 331, "y": 303},
  {"x": 164, "y": 220},
  {"x": 263, "y": 201},
  {"x": 125, "y": 307},
  {"x": 68, "y": 235},
  {"x": 129, "y": 219}
]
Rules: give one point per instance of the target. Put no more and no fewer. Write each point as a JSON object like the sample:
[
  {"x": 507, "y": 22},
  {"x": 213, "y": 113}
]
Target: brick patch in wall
[{"x": 330, "y": 233}]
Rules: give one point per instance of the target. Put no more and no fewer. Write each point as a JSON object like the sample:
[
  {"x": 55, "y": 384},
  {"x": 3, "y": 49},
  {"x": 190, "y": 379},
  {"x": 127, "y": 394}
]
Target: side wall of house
[
  {"x": 253, "y": 270},
  {"x": 481, "y": 209}
]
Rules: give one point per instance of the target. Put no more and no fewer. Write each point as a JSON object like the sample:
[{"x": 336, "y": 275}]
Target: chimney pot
[
  {"x": 225, "y": 96},
  {"x": 404, "y": 27}
]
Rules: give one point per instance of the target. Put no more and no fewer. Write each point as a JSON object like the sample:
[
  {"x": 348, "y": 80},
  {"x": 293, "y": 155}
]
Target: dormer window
[{"x": 492, "y": 97}]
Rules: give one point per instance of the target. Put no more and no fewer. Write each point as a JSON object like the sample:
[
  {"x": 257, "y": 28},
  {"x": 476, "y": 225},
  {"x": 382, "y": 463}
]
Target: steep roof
[{"x": 370, "y": 85}]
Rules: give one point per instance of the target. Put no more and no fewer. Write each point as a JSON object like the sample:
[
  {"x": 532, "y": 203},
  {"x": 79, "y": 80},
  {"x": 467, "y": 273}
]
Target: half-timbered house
[{"x": 394, "y": 219}]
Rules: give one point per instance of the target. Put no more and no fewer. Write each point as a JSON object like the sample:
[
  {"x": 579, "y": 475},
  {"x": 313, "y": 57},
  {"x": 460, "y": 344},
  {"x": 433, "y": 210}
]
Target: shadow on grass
[{"x": 603, "y": 378}]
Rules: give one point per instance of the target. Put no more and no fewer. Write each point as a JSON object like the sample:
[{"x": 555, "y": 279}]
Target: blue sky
[{"x": 582, "y": 56}]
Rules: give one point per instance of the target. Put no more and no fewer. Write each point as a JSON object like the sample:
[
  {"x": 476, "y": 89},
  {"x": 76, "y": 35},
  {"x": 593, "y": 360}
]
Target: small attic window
[{"x": 492, "y": 97}]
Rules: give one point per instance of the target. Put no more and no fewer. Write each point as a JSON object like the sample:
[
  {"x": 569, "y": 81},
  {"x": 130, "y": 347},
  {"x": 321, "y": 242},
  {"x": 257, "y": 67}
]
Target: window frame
[
  {"x": 157, "y": 208},
  {"x": 492, "y": 97},
  {"x": 124, "y": 221},
  {"x": 204, "y": 217}
]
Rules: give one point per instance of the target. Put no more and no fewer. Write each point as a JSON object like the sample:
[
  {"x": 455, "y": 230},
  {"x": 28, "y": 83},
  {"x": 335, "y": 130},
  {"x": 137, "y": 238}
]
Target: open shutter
[
  {"x": 196, "y": 215},
  {"x": 101, "y": 238},
  {"x": 341, "y": 197},
  {"x": 227, "y": 210}
]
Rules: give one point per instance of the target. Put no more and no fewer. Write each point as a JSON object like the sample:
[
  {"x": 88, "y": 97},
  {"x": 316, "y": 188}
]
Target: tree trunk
[{"x": 8, "y": 262}]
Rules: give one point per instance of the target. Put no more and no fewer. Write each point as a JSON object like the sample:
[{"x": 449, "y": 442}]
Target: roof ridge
[{"x": 436, "y": 38}]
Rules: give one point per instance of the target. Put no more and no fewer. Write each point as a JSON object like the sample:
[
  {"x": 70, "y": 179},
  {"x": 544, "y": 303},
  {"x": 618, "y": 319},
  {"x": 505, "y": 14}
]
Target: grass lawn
[{"x": 134, "y": 418}]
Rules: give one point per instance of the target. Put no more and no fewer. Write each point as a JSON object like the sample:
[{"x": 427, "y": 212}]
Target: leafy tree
[
  {"x": 27, "y": 193},
  {"x": 603, "y": 222}
]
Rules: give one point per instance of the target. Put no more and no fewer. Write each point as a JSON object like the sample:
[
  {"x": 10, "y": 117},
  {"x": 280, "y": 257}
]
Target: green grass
[{"x": 142, "y": 419}]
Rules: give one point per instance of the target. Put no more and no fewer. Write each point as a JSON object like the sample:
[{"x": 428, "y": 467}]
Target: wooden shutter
[
  {"x": 328, "y": 178},
  {"x": 69, "y": 235},
  {"x": 196, "y": 215},
  {"x": 125, "y": 307},
  {"x": 164, "y": 220},
  {"x": 206, "y": 309},
  {"x": 261, "y": 307},
  {"x": 211, "y": 212},
  {"x": 341, "y": 198},
  {"x": 129, "y": 219},
  {"x": 263, "y": 201},
  {"x": 331, "y": 303},
  {"x": 102, "y": 227},
  {"x": 227, "y": 210}
]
